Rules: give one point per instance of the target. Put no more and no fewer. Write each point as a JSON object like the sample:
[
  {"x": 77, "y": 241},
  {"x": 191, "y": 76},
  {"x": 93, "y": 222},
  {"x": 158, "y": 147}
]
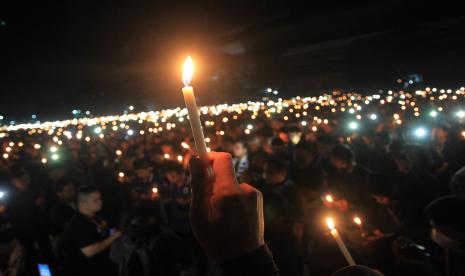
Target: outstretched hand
[{"x": 226, "y": 217}]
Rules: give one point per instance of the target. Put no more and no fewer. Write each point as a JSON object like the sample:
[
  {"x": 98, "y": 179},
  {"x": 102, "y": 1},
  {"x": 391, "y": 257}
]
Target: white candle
[
  {"x": 340, "y": 242},
  {"x": 191, "y": 105}
]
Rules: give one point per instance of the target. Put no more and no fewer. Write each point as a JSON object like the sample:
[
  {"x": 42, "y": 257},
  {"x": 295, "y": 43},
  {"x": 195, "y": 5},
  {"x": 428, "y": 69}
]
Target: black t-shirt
[{"x": 84, "y": 231}]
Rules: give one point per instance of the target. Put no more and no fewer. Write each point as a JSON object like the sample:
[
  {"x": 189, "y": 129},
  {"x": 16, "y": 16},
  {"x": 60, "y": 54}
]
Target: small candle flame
[
  {"x": 188, "y": 71},
  {"x": 154, "y": 190},
  {"x": 329, "y": 198},
  {"x": 330, "y": 223},
  {"x": 358, "y": 221}
]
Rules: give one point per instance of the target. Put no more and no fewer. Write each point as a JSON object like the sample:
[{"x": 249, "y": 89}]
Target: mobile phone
[{"x": 44, "y": 270}]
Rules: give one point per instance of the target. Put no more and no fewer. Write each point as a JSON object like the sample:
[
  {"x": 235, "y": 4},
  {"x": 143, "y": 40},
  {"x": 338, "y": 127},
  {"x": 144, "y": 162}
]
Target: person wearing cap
[{"x": 448, "y": 231}]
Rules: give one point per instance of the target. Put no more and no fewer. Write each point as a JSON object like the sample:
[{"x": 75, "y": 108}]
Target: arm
[{"x": 95, "y": 248}]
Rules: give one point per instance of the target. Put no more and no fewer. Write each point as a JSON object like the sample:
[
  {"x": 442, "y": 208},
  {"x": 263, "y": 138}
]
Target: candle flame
[
  {"x": 188, "y": 71},
  {"x": 155, "y": 190},
  {"x": 329, "y": 198},
  {"x": 357, "y": 221},
  {"x": 330, "y": 223}
]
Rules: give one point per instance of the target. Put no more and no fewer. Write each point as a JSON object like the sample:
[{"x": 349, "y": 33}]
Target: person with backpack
[{"x": 146, "y": 250}]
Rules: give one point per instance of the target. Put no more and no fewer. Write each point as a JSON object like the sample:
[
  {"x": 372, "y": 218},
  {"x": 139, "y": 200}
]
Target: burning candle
[
  {"x": 191, "y": 105},
  {"x": 339, "y": 241}
]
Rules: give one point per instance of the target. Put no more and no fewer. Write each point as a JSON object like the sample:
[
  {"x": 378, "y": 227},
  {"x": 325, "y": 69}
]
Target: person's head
[
  {"x": 89, "y": 200},
  {"x": 283, "y": 134},
  {"x": 440, "y": 133},
  {"x": 277, "y": 146},
  {"x": 276, "y": 170},
  {"x": 447, "y": 221},
  {"x": 356, "y": 270},
  {"x": 304, "y": 153},
  {"x": 240, "y": 149},
  {"x": 325, "y": 143},
  {"x": 342, "y": 158},
  {"x": 174, "y": 173},
  {"x": 142, "y": 168},
  {"x": 65, "y": 189},
  {"x": 20, "y": 179},
  {"x": 254, "y": 143}
]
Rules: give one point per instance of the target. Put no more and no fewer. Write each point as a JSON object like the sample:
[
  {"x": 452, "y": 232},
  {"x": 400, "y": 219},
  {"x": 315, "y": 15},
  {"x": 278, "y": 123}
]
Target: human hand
[
  {"x": 116, "y": 234},
  {"x": 226, "y": 218}
]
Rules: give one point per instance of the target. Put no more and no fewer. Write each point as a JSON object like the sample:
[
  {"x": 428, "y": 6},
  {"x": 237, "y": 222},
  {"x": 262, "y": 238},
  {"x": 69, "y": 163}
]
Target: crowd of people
[{"x": 112, "y": 197}]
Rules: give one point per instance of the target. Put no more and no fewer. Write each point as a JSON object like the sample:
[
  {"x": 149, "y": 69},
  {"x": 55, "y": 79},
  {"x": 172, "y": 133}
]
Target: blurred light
[
  {"x": 131, "y": 107},
  {"x": 269, "y": 90},
  {"x": 420, "y": 132},
  {"x": 357, "y": 221},
  {"x": 373, "y": 116},
  {"x": 87, "y": 139},
  {"x": 130, "y": 132},
  {"x": 353, "y": 125},
  {"x": 179, "y": 158},
  {"x": 11, "y": 144},
  {"x": 154, "y": 190},
  {"x": 37, "y": 146},
  {"x": 166, "y": 156},
  {"x": 460, "y": 114},
  {"x": 43, "y": 160},
  {"x": 433, "y": 113},
  {"x": 303, "y": 123},
  {"x": 121, "y": 174},
  {"x": 2, "y": 194},
  {"x": 55, "y": 156},
  {"x": 5, "y": 156},
  {"x": 329, "y": 198},
  {"x": 7, "y": 149},
  {"x": 118, "y": 152},
  {"x": 53, "y": 149}
]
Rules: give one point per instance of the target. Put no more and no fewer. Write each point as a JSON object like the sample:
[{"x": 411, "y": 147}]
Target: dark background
[{"x": 102, "y": 56}]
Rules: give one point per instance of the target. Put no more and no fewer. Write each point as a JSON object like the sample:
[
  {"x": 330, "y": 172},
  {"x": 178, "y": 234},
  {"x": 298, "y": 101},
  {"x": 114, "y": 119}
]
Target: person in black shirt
[
  {"x": 87, "y": 238},
  {"x": 65, "y": 206}
]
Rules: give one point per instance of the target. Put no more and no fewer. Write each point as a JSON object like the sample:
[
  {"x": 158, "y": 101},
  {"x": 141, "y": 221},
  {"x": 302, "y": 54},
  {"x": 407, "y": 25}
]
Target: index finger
[{"x": 223, "y": 171}]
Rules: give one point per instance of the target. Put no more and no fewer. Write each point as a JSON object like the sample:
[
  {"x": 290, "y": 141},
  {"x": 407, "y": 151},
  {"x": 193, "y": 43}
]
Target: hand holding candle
[{"x": 339, "y": 241}]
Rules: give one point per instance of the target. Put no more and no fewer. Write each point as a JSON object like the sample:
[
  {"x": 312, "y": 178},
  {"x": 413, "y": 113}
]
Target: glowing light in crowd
[
  {"x": 11, "y": 144},
  {"x": 357, "y": 221},
  {"x": 55, "y": 156},
  {"x": 2, "y": 194},
  {"x": 121, "y": 174},
  {"x": 118, "y": 152},
  {"x": 37, "y": 146},
  {"x": 8, "y": 149},
  {"x": 420, "y": 132},
  {"x": 5, "y": 156},
  {"x": 460, "y": 114},
  {"x": 433, "y": 113},
  {"x": 184, "y": 145},
  {"x": 43, "y": 160},
  {"x": 373, "y": 116},
  {"x": 329, "y": 198},
  {"x": 53, "y": 149},
  {"x": 353, "y": 125},
  {"x": 155, "y": 190},
  {"x": 166, "y": 156},
  {"x": 179, "y": 158}
]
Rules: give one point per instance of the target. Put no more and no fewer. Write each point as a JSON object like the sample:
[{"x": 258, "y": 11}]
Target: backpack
[{"x": 139, "y": 258}]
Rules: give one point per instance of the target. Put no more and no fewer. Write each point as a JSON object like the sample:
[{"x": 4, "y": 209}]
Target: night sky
[{"x": 102, "y": 56}]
